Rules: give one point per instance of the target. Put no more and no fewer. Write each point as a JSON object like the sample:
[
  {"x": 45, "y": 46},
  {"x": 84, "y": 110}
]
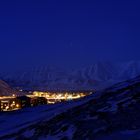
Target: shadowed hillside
[
  {"x": 5, "y": 89},
  {"x": 111, "y": 114}
]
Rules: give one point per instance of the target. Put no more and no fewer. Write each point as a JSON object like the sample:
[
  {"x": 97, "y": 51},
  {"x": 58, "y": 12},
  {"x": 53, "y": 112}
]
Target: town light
[
  {"x": 7, "y": 107},
  {"x": 17, "y": 105}
]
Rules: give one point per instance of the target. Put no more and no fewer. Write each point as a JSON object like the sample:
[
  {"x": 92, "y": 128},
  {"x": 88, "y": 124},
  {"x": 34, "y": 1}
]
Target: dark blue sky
[{"x": 68, "y": 32}]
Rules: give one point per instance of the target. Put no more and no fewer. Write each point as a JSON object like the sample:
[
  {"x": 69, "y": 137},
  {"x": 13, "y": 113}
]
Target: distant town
[{"x": 35, "y": 98}]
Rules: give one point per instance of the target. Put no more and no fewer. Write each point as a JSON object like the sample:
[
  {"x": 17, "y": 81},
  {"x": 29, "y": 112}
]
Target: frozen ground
[
  {"x": 12, "y": 122},
  {"x": 110, "y": 114}
]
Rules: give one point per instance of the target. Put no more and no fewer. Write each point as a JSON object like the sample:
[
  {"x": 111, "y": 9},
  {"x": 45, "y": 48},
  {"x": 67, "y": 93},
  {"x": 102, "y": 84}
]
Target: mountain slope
[
  {"x": 5, "y": 89},
  {"x": 111, "y": 114},
  {"x": 97, "y": 76},
  {"x": 115, "y": 115}
]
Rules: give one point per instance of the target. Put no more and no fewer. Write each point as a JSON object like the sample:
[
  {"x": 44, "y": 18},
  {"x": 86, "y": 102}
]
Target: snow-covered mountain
[
  {"x": 5, "y": 89},
  {"x": 111, "y": 114},
  {"x": 97, "y": 76}
]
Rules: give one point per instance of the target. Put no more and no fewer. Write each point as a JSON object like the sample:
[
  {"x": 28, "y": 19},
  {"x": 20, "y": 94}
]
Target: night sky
[{"x": 68, "y": 33}]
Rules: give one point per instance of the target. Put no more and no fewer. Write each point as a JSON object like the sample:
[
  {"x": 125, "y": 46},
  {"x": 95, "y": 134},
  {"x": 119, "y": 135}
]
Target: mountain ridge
[{"x": 97, "y": 76}]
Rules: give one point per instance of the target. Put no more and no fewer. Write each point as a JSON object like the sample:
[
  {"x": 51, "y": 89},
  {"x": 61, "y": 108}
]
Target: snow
[
  {"x": 69, "y": 134},
  {"x": 32, "y": 121},
  {"x": 130, "y": 132},
  {"x": 123, "y": 135},
  {"x": 98, "y": 76},
  {"x": 12, "y": 122},
  {"x": 28, "y": 133}
]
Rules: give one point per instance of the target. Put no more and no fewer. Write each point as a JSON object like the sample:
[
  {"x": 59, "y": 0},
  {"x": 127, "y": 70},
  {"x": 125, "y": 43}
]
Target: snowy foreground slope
[
  {"x": 97, "y": 76},
  {"x": 112, "y": 114},
  {"x": 18, "y": 121}
]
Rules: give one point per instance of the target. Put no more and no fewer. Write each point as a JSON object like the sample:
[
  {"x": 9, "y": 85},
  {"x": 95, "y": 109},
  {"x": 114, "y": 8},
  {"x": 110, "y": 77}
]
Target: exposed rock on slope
[
  {"x": 115, "y": 115},
  {"x": 112, "y": 115}
]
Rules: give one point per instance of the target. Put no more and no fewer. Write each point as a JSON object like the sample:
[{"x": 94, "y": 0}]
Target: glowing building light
[{"x": 17, "y": 105}]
